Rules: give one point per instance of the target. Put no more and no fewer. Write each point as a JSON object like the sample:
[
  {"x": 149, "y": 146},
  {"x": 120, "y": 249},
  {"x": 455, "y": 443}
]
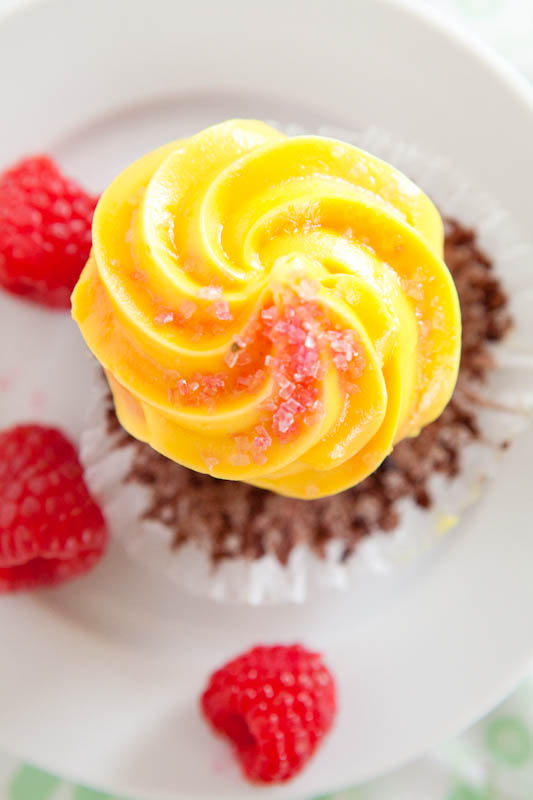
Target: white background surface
[{"x": 490, "y": 22}]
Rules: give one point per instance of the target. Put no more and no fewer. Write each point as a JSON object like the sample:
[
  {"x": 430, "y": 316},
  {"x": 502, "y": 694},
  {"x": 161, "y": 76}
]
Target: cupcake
[{"x": 273, "y": 316}]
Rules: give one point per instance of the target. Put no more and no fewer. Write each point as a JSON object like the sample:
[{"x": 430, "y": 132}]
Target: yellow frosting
[{"x": 268, "y": 309}]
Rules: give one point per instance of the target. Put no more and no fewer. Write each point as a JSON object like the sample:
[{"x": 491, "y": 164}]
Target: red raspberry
[
  {"x": 50, "y": 527},
  {"x": 45, "y": 231},
  {"x": 275, "y": 704}
]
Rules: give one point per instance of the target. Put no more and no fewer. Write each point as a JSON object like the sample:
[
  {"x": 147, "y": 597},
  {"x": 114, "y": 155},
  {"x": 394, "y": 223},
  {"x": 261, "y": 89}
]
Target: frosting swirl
[{"x": 268, "y": 309}]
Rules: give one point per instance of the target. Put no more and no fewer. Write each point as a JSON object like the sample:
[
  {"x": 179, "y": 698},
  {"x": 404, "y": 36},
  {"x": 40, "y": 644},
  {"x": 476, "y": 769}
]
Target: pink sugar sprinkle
[
  {"x": 295, "y": 333},
  {"x": 307, "y": 397},
  {"x": 243, "y": 381},
  {"x": 314, "y": 411},
  {"x": 306, "y": 364},
  {"x": 210, "y": 461},
  {"x": 281, "y": 327},
  {"x": 187, "y": 309},
  {"x": 231, "y": 358},
  {"x": 286, "y": 387},
  {"x": 307, "y": 289},
  {"x": 340, "y": 362},
  {"x": 424, "y": 328},
  {"x": 244, "y": 358},
  {"x": 283, "y": 419},
  {"x": 353, "y": 388},
  {"x": 293, "y": 406},
  {"x": 251, "y": 381},
  {"x": 342, "y": 344},
  {"x": 268, "y": 405},
  {"x": 221, "y": 310},
  {"x": 258, "y": 378},
  {"x": 164, "y": 316},
  {"x": 262, "y": 440},
  {"x": 259, "y": 458},
  {"x": 181, "y": 389},
  {"x": 236, "y": 354},
  {"x": 209, "y": 292},
  {"x": 269, "y": 314},
  {"x": 239, "y": 459},
  {"x": 242, "y": 443},
  {"x": 414, "y": 289},
  {"x": 213, "y": 384}
]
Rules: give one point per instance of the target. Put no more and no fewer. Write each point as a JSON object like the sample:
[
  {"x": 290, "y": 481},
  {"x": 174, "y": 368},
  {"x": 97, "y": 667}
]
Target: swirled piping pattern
[{"x": 269, "y": 309}]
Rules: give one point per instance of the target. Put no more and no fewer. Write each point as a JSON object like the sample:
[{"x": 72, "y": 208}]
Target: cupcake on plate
[{"x": 273, "y": 315}]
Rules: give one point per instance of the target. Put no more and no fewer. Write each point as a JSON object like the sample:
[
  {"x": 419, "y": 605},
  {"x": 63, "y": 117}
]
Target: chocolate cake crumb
[{"x": 229, "y": 519}]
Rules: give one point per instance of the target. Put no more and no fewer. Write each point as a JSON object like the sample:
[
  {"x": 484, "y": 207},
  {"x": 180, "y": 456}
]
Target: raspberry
[
  {"x": 50, "y": 527},
  {"x": 275, "y": 704},
  {"x": 45, "y": 231}
]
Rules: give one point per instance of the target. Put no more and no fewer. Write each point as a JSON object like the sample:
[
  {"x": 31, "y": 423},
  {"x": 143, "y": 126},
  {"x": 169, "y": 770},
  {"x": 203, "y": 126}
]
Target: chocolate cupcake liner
[{"x": 502, "y": 404}]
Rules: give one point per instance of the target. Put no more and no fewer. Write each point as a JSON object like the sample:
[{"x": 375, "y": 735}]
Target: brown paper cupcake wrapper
[{"x": 503, "y": 411}]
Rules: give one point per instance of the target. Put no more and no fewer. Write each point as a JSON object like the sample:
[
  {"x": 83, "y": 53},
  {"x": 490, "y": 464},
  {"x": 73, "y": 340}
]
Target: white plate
[{"x": 99, "y": 680}]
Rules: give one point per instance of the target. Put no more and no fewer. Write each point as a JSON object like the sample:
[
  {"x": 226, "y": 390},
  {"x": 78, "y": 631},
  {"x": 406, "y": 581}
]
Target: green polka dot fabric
[{"x": 494, "y": 759}]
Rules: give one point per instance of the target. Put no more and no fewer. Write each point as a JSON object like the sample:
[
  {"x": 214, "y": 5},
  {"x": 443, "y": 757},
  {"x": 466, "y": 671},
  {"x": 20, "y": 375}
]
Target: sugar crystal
[
  {"x": 209, "y": 292},
  {"x": 221, "y": 310},
  {"x": 164, "y": 316}
]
